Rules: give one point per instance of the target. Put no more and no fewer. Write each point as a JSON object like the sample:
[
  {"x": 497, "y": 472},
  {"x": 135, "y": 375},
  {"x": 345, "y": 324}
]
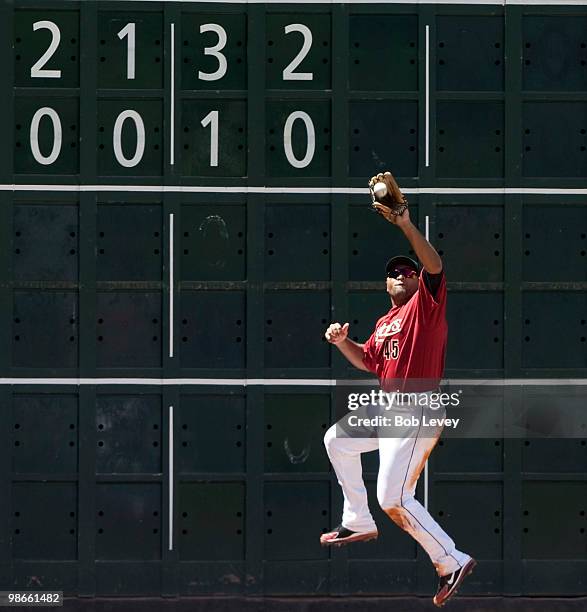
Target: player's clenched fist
[{"x": 336, "y": 333}]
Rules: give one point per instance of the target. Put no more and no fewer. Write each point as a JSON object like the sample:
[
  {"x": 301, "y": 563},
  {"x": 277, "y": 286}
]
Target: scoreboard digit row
[
  {"x": 130, "y": 50},
  {"x": 131, "y": 142}
]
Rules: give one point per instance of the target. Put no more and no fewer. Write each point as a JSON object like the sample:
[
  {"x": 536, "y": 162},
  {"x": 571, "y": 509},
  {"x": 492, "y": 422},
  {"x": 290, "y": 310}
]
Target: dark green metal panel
[
  {"x": 481, "y": 256},
  {"x": 483, "y": 455},
  {"x": 285, "y": 227},
  {"x": 45, "y": 429},
  {"x": 282, "y": 332},
  {"x": 194, "y": 59},
  {"x": 213, "y": 242},
  {"x": 129, "y": 256},
  {"x": 469, "y": 53},
  {"x": 128, "y": 521},
  {"x": 564, "y": 538},
  {"x": 554, "y": 455},
  {"x": 67, "y": 162},
  {"x": 470, "y": 139},
  {"x": 212, "y": 329},
  {"x": 475, "y": 337},
  {"x": 555, "y": 139},
  {"x": 112, "y": 51},
  {"x": 555, "y": 53},
  {"x": 219, "y": 504},
  {"x": 287, "y": 49},
  {"x": 383, "y": 52},
  {"x": 46, "y": 242},
  {"x": 32, "y": 45},
  {"x": 285, "y": 503},
  {"x": 45, "y": 329},
  {"x": 212, "y": 431},
  {"x": 37, "y": 505},
  {"x": 128, "y": 433},
  {"x": 566, "y": 235},
  {"x": 289, "y": 448},
  {"x": 231, "y": 157},
  {"x": 151, "y": 115},
  {"x": 554, "y": 330},
  {"x": 376, "y": 124},
  {"x": 128, "y": 329}
]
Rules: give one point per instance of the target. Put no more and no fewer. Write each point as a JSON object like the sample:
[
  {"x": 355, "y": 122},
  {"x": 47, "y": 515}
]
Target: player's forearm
[
  {"x": 425, "y": 252},
  {"x": 353, "y": 352}
]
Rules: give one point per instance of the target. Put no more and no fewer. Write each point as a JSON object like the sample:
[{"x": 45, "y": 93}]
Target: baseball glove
[{"x": 387, "y": 198}]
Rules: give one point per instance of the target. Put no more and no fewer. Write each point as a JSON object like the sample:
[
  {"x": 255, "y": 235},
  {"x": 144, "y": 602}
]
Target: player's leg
[
  {"x": 401, "y": 462},
  {"x": 345, "y": 455}
]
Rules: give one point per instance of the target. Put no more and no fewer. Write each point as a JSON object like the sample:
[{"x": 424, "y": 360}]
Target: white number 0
[
  {"x": 57, "y": 135},
  {"x": 117, "y": 138},
  {"x": 311, "y": 142}
]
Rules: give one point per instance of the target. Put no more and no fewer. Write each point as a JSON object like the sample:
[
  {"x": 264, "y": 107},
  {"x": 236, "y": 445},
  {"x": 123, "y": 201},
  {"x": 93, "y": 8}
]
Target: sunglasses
[{"x": 404, "y": 271}]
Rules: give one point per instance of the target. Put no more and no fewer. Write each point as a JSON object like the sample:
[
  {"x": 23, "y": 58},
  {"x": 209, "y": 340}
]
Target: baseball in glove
[{"x": 387, "y": 198}]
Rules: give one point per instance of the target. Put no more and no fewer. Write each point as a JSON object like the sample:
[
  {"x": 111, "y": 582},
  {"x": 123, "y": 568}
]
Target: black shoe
[
  {"x": 341, "y": 535},
  {"x": 449, "y": 584}
]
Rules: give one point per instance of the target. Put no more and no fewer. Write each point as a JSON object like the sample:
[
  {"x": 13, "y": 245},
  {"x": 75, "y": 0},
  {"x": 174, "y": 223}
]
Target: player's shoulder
[{"x": 425, "y": 274}]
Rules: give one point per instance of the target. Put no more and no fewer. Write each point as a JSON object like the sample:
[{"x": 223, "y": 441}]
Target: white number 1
[
  {"x": 212, "y": 119},
  {"x": 129, "y": 30}
]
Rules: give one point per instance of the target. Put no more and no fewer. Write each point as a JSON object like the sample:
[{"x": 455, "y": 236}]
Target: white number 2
[
  {"x": 211, "y": 119},
  {"x": 37, "y": 70},
  {"x": 215, "y": 51},
  {"x": 288, "y": 73},
  {"x": 129, "y": 30}
]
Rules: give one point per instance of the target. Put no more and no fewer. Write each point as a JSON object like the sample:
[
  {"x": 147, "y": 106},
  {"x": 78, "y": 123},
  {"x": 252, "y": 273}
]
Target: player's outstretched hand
[
  {"x": 336, "y": 333},
  {"x": 398, "y": 220},
  {"x": 388, "y": 200}
]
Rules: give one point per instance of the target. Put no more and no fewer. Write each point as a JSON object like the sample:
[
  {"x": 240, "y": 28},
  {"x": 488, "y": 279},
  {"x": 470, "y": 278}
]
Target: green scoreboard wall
[{"x": 183, "y": 211}]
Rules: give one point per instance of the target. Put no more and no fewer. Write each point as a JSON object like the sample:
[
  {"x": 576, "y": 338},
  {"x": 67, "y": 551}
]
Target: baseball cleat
[
  {"x": 340, "y": 536},
  {"x": 449, "y": 584}
]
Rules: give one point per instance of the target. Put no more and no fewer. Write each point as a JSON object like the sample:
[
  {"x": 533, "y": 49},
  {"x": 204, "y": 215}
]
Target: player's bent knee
[
  {"x": 389, "y": 497},
  {"x": 389, "y": 502}
]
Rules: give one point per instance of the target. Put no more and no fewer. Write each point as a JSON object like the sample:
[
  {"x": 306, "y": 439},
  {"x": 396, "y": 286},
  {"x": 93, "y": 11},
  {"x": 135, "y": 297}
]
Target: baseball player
[{"x": 408, "y": 344}]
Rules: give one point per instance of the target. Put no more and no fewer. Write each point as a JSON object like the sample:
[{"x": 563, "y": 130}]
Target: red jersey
[{"x": 408, "y": 347}]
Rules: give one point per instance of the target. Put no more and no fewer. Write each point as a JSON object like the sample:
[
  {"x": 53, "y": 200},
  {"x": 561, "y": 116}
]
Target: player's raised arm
[
  {"x": 337, "y": 334},
  {"x": 425, "y": 252},
  {"x": 391, "y": 204}
]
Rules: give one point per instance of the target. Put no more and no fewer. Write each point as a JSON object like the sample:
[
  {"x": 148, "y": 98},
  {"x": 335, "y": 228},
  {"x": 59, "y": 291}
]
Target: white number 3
[{"x": 215, "y": 51}]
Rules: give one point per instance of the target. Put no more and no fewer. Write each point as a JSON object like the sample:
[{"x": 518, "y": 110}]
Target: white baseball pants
[{"x": 401, "y": 460}]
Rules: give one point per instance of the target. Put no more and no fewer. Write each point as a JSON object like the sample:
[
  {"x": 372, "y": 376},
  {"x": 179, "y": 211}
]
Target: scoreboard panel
[
  {"x": 183, "y": 189},
  {"x": 203, "y": 57}
]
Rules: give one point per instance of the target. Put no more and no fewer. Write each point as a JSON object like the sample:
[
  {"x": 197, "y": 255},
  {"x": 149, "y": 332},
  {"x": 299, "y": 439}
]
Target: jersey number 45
[{"x": 391, "y": 348}]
